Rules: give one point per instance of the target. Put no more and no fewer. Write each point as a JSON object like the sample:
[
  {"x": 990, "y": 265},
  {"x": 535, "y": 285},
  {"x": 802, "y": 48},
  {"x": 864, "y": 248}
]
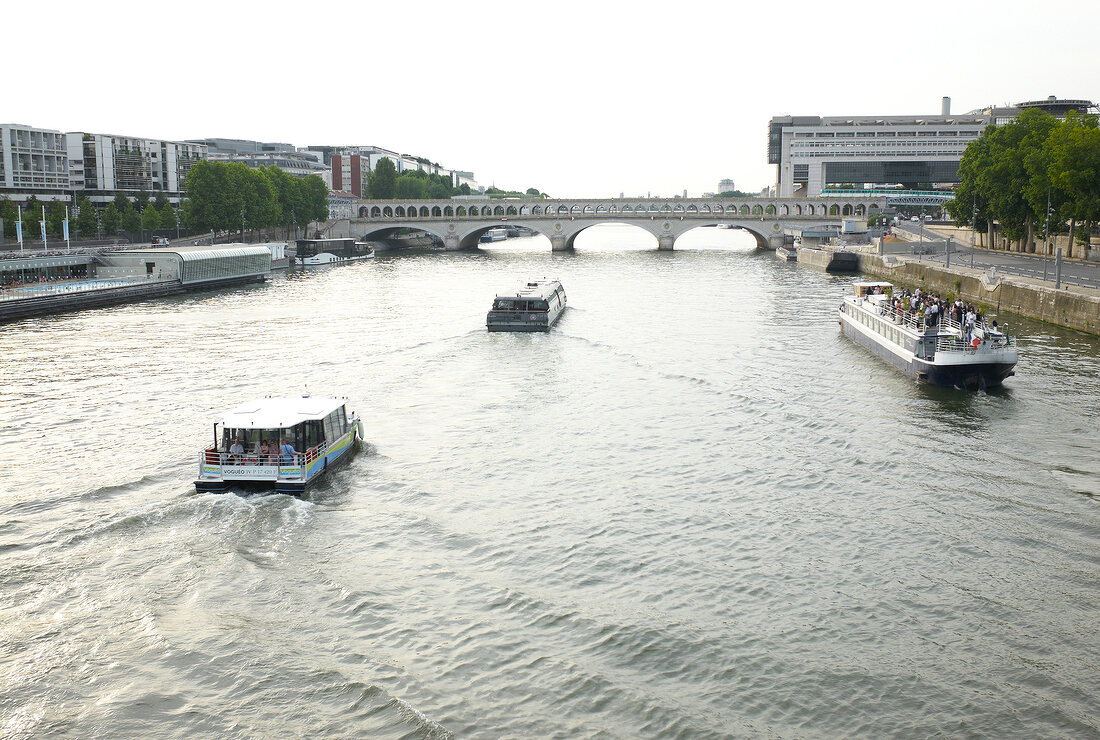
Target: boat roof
[
  {"x": 534, "y": 289},
  {"x": 276, "y": 413},
  {"x": 873, "y": 283}
]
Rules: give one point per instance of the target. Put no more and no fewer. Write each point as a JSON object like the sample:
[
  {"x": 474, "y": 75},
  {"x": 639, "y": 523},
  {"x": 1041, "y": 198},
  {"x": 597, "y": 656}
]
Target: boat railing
[
  {"x": 943, "y": 322},
  {"x": 231, "y": 460},
  {"x": 988, "y": 342}
]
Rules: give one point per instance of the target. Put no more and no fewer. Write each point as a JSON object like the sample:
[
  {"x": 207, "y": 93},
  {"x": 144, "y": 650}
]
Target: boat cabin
[
  {"x": 534, "y": 307},
  {"x": 282, "y": 442}
]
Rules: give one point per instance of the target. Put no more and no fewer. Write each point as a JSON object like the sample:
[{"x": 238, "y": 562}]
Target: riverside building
[
  {"x": 813, "y": 152},
  {"x": 103, "y": 165},
  {"x": 33, "y": 162}
]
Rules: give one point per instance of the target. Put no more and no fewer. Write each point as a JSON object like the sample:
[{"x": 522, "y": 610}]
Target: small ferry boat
[
  {"x": 284, "y": 444},
  {"x": 331, "y": 251},
  {"x": 498, "y": 234},
  {"x": 788, "y": 254},
  {"x": 534, "y": 307},
  {"x": 944, "y": 353}
]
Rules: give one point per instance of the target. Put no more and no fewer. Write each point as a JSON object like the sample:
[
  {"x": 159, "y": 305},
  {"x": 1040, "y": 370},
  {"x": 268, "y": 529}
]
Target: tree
[
  {"x": 167, "y": 216},
  {"x": 86, "y": 222},
  {"x": 382, "y": 181},
  {"x": 410, "y": 186},
  {"x": 314, "y": 199},
  {"x": 141, "y": 200},
  {"x": 150, "y": 218},
  {"x": 1073, "y": 150},
  {"x": 9, "y": 213},
  {"x": 161, "y": 200},
  {"x": 55, "y": 217},
  {"x": 111, "y": 219},
  {"x": 131, "y": 221},
  {"x": 122, "y": 203}
]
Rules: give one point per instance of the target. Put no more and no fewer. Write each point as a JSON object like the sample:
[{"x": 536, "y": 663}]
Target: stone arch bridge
[{"x": 459, "y": 224}]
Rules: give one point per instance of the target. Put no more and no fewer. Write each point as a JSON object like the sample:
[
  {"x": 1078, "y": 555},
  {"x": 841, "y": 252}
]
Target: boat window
[
  {"x": 540, "y": 306},
  {"x": 342, "y": 418},
  {"x": 503, "y": 304}
]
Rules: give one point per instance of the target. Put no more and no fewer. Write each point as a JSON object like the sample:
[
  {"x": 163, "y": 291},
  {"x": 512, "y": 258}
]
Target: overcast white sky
[{"x": 578, "y": 99}]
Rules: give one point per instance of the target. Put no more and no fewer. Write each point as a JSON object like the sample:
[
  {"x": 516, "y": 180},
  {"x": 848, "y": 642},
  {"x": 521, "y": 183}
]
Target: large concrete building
[
  {"x": 255, "y": 154},
  {"x": 33, "y": 161},
  {"x": 350, "y": 166},
  {"x": 103, "y": 165},
  {"x": 812, "y": 152}
]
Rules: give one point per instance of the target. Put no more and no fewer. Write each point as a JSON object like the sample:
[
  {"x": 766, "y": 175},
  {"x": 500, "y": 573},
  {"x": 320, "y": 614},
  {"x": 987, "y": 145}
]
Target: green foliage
[
  {"x": 161, "y": 201},
  {"x": 382, "y": 181},
  {"x": 222, "y": 194},
  {"x": 111, "y": 219},
  {"x": 86, "y": 223},
  {"x": 122, "y": 203},
  {"x": 167, "y": 216},
  {"x": 131, "y": 221},
  {"x": 1008, "y": 174},
  {"x": 734, "y": 194},
  {"x": 141, "y": 200},
  {"x": 150, "y": 218},
  {"x": 9, "y": 213},
  {"x": 55, "y": 217},
  {"x": 409, "y": 185}
]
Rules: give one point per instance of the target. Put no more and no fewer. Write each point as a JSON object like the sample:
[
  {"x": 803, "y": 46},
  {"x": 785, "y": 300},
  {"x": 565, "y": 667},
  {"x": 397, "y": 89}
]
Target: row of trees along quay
[
  {"x": 383, "y": 183},
  {"x": 120, "y": 216},
  {"x": 1034, "y": 176},
  {"x": 230, "y": 196}
]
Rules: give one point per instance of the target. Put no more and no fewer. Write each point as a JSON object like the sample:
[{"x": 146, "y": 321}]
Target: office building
[{"x": 33, "y": 162}]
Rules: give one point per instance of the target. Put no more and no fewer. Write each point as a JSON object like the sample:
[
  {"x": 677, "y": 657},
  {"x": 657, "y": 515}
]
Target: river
[{"x": 693, "y": 509}]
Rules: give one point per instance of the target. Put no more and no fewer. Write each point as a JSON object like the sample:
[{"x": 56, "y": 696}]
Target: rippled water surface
[{"x": 693, "y": 509}]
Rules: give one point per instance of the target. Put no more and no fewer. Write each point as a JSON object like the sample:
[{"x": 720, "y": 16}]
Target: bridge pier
[
  {"x": 665, "y": 242},
  {"x": 559, "y": 243},
  {"x": 452, "y": 243}
]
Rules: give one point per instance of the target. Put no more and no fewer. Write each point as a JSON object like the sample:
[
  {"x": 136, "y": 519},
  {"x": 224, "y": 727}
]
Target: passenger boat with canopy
[
  {"x": 330, "y": 251},
  {"x": 284, "y": 444},
  {"x": 944, "y": 353},
  {"x": 534, "y": 307}
]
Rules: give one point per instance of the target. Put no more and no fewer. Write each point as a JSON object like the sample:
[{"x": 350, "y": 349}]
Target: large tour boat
[
  {"x": 284, "y": 444},
  {"x": 944, "y": 353},
  {"x": 534, "y": 307},
  {"x": 331, "y": 251}
]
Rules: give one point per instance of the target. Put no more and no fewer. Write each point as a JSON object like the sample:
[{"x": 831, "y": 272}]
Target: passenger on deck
[
  {"x": 236, "y": 449},
  {"x": 263, "y": 451},
  {"x": 287, "y": 450}
]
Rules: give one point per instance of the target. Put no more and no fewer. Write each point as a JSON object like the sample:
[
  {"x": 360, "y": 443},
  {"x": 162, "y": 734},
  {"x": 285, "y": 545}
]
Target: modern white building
[
  {"x": 811, "y": 152},
  {"x": 255, "y": 154},
  {"x": 33, "y": 161},
  {"x": 102, "y": 165}
]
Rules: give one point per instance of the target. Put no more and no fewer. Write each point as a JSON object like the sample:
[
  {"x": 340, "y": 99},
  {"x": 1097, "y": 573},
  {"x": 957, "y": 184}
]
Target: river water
[{"x": 693, "y": 509}]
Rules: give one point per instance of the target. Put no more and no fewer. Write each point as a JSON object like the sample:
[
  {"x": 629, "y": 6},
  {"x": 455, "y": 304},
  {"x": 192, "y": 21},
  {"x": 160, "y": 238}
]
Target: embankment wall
[{"x": 1075, "y": 310}]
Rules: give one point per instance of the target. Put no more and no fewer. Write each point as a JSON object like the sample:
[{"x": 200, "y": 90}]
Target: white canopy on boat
[{"x": 278, "y": 413}]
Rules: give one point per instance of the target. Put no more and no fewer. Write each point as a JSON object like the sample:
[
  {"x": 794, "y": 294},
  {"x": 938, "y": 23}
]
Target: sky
[{"x": 576, "y": 99}]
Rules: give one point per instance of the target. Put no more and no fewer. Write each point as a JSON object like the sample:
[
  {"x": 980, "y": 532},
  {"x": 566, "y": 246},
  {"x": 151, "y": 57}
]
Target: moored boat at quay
[
  {"x": 534, "y": 307},
  {"x": 281, "y": 444},
  {"x": 943, "y": 352},
  {"x": 331, "y": 251}
]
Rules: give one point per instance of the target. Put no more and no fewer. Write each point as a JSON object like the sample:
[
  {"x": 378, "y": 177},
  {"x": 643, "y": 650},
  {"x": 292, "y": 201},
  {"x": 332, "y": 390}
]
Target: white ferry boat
[
  {"x": 534, "y": 307},
  {"x": 331, "y": 251},
  {"x": 941, "y": 354},
  {"x": 498, "y": 234},
  {"x": 284, "y": 444}
]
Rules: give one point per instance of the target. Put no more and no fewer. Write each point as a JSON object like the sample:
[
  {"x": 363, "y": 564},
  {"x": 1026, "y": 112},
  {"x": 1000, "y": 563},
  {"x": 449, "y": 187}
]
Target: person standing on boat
[
  {"x": 236, "y": 449},
  {"x": 288, "y": 452}
]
